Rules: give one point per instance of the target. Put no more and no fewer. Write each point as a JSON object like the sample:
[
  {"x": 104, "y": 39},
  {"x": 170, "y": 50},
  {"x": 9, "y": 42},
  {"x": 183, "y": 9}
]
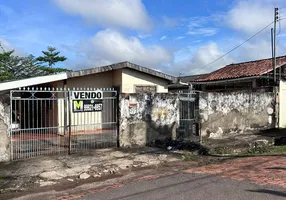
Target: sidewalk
[{"x": 45, "y": 171}]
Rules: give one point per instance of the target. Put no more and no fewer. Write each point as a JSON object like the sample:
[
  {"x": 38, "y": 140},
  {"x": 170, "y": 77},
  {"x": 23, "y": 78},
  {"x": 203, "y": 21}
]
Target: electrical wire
[{"x": 207, "y": 65}]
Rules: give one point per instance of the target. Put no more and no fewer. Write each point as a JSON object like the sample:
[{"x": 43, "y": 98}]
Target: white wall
[{"x": 131, "y": 78}]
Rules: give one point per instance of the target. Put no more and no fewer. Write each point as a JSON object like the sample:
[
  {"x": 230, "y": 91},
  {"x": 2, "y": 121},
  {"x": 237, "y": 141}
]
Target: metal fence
[
  {"x": 53, "y": 121},
  {"x": 189, "y": 113}
]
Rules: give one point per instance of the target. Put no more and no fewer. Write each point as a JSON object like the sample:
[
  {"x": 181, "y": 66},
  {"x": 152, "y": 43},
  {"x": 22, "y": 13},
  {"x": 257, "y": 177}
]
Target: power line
[{"x": 200, "y": 69}]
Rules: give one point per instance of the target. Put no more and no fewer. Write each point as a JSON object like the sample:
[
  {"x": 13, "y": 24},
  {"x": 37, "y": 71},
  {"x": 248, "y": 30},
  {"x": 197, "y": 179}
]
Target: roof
[
  {"x": 191, "y": 78},
  {"x": 121, "y": 65},
  {"x": 32, "y": 81},
  {"x": 245, "y": 69},
  {"x": 63, "y": 76}
]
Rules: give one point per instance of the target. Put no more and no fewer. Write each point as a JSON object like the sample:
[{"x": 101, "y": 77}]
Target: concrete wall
[
  {"x": 131, "y": 78},
  {"x": 147, "y": 117},
  {"x": 4, "y": 127},
  {"x": 223, "y": 113},
  {"x": 282, "y": 104}
]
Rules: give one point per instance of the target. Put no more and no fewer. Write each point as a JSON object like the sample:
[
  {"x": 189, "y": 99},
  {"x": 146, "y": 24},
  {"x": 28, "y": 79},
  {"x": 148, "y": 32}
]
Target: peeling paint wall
[
  {"x": 147, "y": 117},
  {"x": 4, "y": 127},
  {"x": 223, "y": 113}
]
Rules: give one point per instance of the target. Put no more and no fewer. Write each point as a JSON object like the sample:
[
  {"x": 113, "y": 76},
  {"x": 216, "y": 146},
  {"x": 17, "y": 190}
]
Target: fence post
[
  {"x": 117, "y": 117},
  {"x": 69, "y": 115},
  {"x": 10, "y": 125}
]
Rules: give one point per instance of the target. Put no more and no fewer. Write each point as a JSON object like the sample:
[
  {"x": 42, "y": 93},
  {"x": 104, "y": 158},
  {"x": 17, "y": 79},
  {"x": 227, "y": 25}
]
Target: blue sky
[{"x": 173, "y": 36}]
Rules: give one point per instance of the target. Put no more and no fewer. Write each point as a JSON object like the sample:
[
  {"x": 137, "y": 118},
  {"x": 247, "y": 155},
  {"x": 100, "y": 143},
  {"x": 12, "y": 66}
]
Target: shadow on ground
[
  {"x": 188, "y": 145},
  {"x": 279, "y": 135},
  {"x": 273, "y": 192}
]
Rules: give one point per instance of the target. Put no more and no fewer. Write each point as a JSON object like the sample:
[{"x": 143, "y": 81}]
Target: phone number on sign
[{"x": 93, "y": 107}]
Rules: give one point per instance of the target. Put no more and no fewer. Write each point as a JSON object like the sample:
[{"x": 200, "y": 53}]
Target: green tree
[
  {"x": 51, "y": 57},
  {"x": 14, "y": 67}
]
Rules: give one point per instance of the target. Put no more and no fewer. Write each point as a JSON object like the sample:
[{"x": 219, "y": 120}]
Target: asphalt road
[{"x": 189, "y": 186}]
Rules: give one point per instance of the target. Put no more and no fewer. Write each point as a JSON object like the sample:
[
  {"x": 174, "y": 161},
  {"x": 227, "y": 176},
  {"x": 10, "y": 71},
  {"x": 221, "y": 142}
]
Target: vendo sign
[{"x": 87, "y": 95}]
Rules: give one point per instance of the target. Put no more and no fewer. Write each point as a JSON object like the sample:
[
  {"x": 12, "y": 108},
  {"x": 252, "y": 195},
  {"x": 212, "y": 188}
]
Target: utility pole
[
  {"x": 276, "y": 89},
  {"x": 274, "y": 46},
  {"x": 272, "y": 52}
]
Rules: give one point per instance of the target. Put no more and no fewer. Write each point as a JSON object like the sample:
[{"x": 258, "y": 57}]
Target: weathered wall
[
  {"x": 282, "y": 106},
  {"x": 4, "y": 127},
  {"x": 147, "y": 117},
  {"x": 223, "y": 113}
]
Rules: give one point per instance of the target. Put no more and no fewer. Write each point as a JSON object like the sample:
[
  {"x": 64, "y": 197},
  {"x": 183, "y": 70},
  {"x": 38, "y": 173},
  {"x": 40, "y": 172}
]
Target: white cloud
[
  {"x": 201, "y": 26},
  {"x": 109, "y": 46},
  {"x": 143, "y": 36},
  {"x": 252, "y": 16},
  {"x": 170, "y": 22},
  {"x": 7, "y": 46},
  {"x": 163, "y": 37},
  {"x": 109, "y": 13},
  {"x": 179, "y": 38},
  {"x": 193, "y": 60},
  {"x": 195, "y": 64},
  {"x": 203, "y": 31}
]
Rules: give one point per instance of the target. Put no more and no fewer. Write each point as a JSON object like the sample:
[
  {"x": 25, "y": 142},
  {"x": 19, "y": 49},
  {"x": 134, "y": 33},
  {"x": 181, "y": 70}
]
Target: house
[
  {"x": 125, "y": 77},
  {"x": 253, "y": 75},
  {"x": 82, "y": 102}
]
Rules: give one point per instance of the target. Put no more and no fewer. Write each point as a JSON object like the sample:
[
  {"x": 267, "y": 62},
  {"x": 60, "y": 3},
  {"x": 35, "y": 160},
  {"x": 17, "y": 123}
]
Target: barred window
[{"x": 145, "y": 89}]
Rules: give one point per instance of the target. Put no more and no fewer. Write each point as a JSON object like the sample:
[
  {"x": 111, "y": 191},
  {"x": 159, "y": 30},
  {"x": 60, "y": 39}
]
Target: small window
[{"x": 145, "y": 89}]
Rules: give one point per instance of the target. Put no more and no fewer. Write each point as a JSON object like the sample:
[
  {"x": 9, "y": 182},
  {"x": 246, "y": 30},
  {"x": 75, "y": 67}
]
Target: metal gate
[
  {"x": 53, "y": 121},
  {"x": 189, "y": 113}
]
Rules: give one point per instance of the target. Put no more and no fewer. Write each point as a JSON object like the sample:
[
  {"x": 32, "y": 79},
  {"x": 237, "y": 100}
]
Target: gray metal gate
[
  {"x": 52, "y": 121},
  {"x": 189, "y": 113}
]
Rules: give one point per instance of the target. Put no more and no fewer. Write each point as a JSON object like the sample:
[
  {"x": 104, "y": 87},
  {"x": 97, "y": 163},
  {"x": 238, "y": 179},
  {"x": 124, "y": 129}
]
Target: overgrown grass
[
  {"x": 188, "y": 156},
  {"x": 278, "y": 149},
  {"x": 258, "y": 150}
]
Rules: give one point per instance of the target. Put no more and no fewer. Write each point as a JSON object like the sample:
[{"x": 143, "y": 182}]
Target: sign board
[
  {"x": 87, "y": 101},
  {"x": 87, "y": 95},
  {"x": 87, "y": 106}
]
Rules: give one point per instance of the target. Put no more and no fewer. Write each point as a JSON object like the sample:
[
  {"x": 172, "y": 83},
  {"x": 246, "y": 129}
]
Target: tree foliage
[
  {"x": 14, "y": 67},
  {"x": 51, "y": 57}
]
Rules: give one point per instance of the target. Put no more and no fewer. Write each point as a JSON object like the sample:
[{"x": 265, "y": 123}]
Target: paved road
[{"x": 189, "y": 186}]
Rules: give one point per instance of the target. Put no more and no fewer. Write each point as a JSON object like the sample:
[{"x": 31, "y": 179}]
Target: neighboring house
[{"x": 252, "y": 75}]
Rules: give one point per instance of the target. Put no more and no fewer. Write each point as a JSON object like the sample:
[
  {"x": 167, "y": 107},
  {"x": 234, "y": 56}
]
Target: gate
[
  {"x": 48, "y": 121},
  {"x": 189, "y": 113}
]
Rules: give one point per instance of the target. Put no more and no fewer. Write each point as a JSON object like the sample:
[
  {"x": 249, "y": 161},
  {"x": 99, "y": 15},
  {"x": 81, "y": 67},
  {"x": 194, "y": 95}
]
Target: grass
[
  {"x": 278, "y": 149},
  {"x": 258, "y": 150},
  {"x": 188, "y": 156}
]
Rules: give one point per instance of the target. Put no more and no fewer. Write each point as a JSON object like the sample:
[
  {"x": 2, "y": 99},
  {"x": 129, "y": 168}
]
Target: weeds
[{"x": 188, "y": 156}]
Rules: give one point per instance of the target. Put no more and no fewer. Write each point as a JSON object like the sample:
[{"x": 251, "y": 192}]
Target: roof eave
[{"x": 32, "y": 81}]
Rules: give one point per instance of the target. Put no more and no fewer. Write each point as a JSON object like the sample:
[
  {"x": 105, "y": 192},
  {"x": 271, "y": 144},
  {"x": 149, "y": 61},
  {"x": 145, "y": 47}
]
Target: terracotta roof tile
[{"x": 245, "y": 69}]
